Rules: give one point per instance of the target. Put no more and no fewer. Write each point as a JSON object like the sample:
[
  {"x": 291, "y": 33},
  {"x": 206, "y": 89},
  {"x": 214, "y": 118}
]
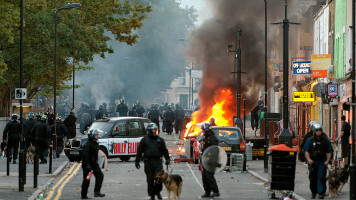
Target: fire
[{"x": 223, "y": 112}]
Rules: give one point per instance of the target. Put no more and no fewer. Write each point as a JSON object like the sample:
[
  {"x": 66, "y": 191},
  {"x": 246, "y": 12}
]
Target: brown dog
[
  {"x": 337, "y": 178},
  {"x": 30, "y": 154},
  {"x": 172, "y": 182}
]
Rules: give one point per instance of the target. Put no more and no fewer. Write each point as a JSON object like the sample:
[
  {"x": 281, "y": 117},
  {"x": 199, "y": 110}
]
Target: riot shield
[{"x": 214, "y": 159}]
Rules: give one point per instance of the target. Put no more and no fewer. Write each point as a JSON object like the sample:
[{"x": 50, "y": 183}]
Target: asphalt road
[{"x": 123, "y": 181}]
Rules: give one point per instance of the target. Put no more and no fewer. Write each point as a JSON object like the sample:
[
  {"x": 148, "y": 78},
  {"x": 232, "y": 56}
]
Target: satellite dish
[{"x": 214, "y": 159}]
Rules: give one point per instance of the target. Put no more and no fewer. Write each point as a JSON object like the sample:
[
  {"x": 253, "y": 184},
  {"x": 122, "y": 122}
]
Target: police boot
[
  {"x": 14, "y": 162},
  {"x": 217, "y": 194},
  {"x": 206, "y": 195},
  {"x": 159, "y": 196},
  {"x": 98, "y": 194},
  {"x": 152, "y": 197}
]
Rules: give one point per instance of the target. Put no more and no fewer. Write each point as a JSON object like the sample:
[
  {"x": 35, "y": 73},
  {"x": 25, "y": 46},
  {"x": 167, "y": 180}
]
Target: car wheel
[{"x": 124, "y": 158}]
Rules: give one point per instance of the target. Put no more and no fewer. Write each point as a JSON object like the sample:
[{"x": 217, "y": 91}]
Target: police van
[{"x": 119, "y": 138}]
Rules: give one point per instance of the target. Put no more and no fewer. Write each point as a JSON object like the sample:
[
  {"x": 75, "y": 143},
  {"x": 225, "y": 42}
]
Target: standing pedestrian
[
  {"x": 153, "y": 149},
  {"x": 42, "y": 133},
  {"x": 254, "y": 118},
  {"x": 345, "y": 139},
  {"x": 12, "y": 135},
  {"x": 209, "y": 182},
  {"x": 154, "y": 115},
  {"x": 305, "y": 139},
  {"x": 61, "y": 132},
  {"x": 318, "y": 154},
  {"x": 139, "y": 109},
  {"x": 132, "y": 112},
  {"x": 28, "y": 126},
  {"x": 70, "y": 123},
  {"x": 90, "y": 163}
]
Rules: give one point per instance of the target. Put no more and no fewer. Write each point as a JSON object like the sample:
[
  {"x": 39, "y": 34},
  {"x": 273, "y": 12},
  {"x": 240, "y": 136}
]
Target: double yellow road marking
[{"x": 65, "y": 179}]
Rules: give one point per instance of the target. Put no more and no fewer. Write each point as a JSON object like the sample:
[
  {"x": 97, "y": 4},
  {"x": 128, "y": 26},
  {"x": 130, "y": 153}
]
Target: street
[{"x": 124, "y": 181}]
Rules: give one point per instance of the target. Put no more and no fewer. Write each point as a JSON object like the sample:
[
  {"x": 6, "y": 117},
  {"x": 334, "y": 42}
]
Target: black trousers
[
  {"x": 209, "y": 182},
  {"x": 72, "y": 131},
  {"x": 254, "y": 121},
  {"x": 42, "y": 145},
  {"x": 13, "y": 148},
  {"x": 178, "y": 126},
  {"x": 59, "y": 144},
  {"x": 152, "y": 167},
  {"x": 169, "y": 127},
  {"x": 99, "y": 177}
]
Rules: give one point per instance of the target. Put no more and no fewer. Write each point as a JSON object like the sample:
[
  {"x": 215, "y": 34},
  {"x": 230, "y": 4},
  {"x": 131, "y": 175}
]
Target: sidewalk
[
  {"x": 9, "y": 185},
  {"x": 301, "y": 179}
]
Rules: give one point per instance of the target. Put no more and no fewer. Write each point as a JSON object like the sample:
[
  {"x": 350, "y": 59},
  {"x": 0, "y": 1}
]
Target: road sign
[
  {"x": 197, "y": 74},
  {"x": 320, "y": 65},
  {"x": 303, "y": 96},
  {"x": 332, "y": 91},
  {"x": 21, "y": 93},
  {"x": 301, "y": 67}
]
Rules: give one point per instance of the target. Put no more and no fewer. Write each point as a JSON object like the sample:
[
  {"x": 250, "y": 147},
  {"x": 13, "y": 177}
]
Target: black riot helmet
[{"x": 152, "y": 130}]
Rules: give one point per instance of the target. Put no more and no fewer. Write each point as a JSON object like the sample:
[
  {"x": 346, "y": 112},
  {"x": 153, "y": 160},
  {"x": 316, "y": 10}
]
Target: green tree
[{"x": 81, "y": 35}]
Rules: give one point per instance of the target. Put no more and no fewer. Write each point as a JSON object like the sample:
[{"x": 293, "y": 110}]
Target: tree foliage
[{"x": 81, "y": 36}]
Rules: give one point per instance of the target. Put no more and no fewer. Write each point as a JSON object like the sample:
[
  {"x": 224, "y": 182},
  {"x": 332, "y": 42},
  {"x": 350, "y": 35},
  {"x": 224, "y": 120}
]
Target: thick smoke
[{"x": 209, "y": 42}]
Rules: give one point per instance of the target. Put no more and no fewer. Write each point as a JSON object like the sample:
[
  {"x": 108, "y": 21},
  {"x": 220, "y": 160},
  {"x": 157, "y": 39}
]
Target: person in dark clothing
[
  {"x": 254, "y": 118},
  {"x": 61, "y": 132},
  {"x": 28, "y": 126},
  {"x": 132, "y": 112},
  {"x": 100, "y": 112},
  {"x": 179, "y": 118},
  {"x": 318, "y": 154},
  {"x": 139, "y": 109},
  {"x": 12, "y": 135},
  {"x": 122, "y": 108},
  {"x": 70, "y": 123},
  {"x": 305, "y": 139},
  {"x": 345, "y": 141},
  {"x": 50, "y": 116},
  {"x": 105, "y": 110},
  {"x": 153, "y": 149},
  {"x": 154, "y": 115},
  {"x": 90, "y": 163},
  {"x": 261, "y": 104},
  {"x": 169, "y": 119},
  {"x": 209, "y": 182},
  {"x": 42, "y": 133}
]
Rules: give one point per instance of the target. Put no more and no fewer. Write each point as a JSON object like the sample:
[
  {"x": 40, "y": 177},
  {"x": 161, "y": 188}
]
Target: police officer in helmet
[
  {"x": 318, "y": 154},
  {"x": 209, "y": 182},
  {"x": 153, "y": 148},
  {"x": 70, "y": 123},
  {"x": 42, "y": 133},
  {"x": 12, "y": 134},
  {"x": 28, "y": 126},
  {"x": 89, "y": 163},
  {"x": 305, "y": 139},
  {"x": 61, "y": 132}
]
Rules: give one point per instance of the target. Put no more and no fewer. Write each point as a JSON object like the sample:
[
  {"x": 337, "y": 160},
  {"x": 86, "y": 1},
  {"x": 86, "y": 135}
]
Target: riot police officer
[
  {"x": 305, "y": 139},
  {"x": 122, "y": 108},
  {"x": 28, "y": 126},
  {"x": 154, "y": 115},
  {"x": 69, "y": 122},
  {"x": 42, "y": 133},
  {"x": 132, "y": 112},
  {"x": 153, "y": 148},
  {"x": 12, "y": 134},
  {"x": 61, "y": 132},
  {"x": 179, "y": 118},
  {"x": 209, "y": 182},
  {"x": 318, "y": 154},
  {"x": 169, "y": 119},
  {"x": 89, "y": 163},
  {"x": 139, "y": 109}
]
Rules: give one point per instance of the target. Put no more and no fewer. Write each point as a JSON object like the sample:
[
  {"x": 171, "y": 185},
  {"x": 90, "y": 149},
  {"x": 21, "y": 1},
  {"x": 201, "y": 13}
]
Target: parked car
[
  {"x": 119, "y": 137},
  {"x": 230, "y": 139}
]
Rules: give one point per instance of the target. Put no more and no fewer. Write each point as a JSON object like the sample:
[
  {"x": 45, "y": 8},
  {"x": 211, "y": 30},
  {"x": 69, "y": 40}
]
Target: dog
[
  {"x": 337, "y": 178},
  {"x": 30, "y": 155},
  {"x": 3, "y": 147},
  {"x": 172, "y": 182}
]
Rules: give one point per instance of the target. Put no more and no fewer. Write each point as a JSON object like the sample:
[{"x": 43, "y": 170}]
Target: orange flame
[{"x": 222, "y": 111}]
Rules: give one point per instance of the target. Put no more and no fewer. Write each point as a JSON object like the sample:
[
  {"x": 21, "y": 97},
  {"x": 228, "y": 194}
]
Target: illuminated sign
[
  {"x": 303, "y": 97},
  {"x": 320, "y": 64},
  {"x": 301, "y": 67}
]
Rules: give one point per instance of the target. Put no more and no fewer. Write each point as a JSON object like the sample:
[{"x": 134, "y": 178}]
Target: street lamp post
[
  {"x": 353, "y": 136},
  {"x": 22, "y": 169},
  {"x": 68, "y": 6},
  {"x": 266, "y": 96},
  {"x": 73, "y": 83}
]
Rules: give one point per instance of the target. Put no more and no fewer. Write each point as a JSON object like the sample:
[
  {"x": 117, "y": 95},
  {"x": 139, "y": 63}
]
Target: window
[
  {"x": 102, "y": 127},
  {"x": 134, "y": 128},
  {"x": 181, "y": 81},
  {"x": 120, "y": 129}
]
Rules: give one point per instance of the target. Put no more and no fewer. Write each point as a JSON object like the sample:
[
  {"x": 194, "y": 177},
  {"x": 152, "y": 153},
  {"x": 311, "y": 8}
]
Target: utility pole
[
  {"x": 285, "y": 137},
  {"x": 21, "y": 155},
  {"x": 266, "y": 96},
  {"x": 353, "y": 159}
]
